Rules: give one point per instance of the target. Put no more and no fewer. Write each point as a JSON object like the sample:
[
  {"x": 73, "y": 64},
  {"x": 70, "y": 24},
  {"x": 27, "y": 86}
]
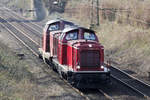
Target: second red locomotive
[{"x": 76, "y": 54}]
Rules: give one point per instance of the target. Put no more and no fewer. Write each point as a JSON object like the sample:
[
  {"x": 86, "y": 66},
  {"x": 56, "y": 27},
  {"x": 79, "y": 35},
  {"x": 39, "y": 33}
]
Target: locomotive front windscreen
[
  {"x": 72, "y": 36},
  {"x": 90, "y": 58},
  {"x": 89, "y": 36}
]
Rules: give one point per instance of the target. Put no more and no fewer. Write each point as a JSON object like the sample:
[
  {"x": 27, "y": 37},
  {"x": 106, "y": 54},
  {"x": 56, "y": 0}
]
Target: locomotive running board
[{"x": 43, "y": 53}]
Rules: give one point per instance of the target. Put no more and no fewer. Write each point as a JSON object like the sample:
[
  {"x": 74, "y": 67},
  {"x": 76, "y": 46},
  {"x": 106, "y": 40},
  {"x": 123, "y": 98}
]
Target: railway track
[
  {"x": 33, "y": 47},
  {"x": 24, "y": 28},
  {"x": 23, "y": 19},
  {"x": 131, "y": 82}
]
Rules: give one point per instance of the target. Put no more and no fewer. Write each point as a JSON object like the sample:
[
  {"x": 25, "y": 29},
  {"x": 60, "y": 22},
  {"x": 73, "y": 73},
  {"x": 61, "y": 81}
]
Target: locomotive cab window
[
  {"x": 54, "y": 27},
  {"x": 71, "y": 36},
  {"x": 89, "y": 36},
  {"x": 68, "y": 24}
]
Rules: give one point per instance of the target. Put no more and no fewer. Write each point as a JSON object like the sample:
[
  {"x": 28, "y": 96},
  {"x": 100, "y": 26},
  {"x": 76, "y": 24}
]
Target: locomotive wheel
[
  {"x": 40, "y": 56},
  {"x": 70, "y": 81},
  {"x": 64, "y": 75},
  {"x": 54, "y": 69},
  {"x": 50, "y": 61},
  {"x": 60, "y": 74}
]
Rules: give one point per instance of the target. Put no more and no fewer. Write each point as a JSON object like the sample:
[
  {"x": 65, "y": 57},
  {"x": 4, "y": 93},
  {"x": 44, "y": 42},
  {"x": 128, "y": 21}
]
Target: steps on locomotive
[{"x": 43, "y": 54}]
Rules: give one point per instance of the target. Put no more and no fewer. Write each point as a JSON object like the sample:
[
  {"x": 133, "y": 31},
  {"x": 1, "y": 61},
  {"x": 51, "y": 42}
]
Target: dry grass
[
  {"x": 78, "y": 11},
  {"x": 136, "y": 13},
  {"x": 128, "y": 46},
  {"x": 14, "y": 77}
]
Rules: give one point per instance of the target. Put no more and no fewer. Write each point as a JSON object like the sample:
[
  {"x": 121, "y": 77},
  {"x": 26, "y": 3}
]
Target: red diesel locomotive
[{"x": 75, "y": 53}]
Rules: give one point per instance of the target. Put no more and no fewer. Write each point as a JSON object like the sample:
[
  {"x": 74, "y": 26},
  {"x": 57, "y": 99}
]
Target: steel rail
[
  {"x": 22, "y": 17},
  {"x": 25, "y": 30},
  {"x": 131, "y": 82},
  {"x": 130, "y": 76},
  {"x": 15, "y": 16},
  {"x": 134, "y": 89},
  {"x": 21, "y": 31},
  {"x": 19, "y": 39},
  {"x": 105, "y": 94}
]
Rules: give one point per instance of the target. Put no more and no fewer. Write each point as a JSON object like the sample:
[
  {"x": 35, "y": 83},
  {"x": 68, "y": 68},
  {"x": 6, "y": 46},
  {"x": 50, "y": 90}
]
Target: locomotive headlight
[
  {"x": 102, "y": 67},
  {"x": 78, "y": 67},
  {"x": 90, "y": 45}
]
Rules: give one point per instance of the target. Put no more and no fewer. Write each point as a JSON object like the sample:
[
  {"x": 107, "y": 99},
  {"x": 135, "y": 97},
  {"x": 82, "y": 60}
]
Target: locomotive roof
[
  {"x": 57, "y": 20},
  {"x": 74, "y": 28},
  {"x": 69, "y": 29}
]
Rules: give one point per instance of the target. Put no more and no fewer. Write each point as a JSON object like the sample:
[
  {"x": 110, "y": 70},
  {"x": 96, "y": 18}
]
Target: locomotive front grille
[{"x": 90, "y": 58}]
